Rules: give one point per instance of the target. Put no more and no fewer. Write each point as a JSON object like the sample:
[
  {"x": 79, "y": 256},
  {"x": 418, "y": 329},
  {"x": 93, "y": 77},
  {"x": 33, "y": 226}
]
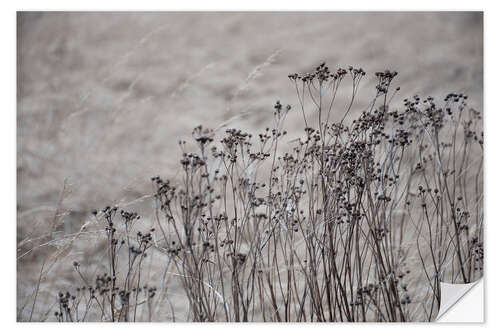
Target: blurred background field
[{"x": 103, "y": 99}]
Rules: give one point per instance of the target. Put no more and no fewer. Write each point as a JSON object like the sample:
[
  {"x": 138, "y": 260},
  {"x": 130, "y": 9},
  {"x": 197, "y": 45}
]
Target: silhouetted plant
[{"x": 327, "y": 231}]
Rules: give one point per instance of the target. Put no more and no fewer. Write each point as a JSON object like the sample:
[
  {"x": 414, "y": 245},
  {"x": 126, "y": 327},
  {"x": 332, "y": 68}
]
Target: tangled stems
[{"x": 359, "y": 221}]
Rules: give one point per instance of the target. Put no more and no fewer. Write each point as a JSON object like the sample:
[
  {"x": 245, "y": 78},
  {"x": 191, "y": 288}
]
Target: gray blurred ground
[{"x": 103, "y": 98}]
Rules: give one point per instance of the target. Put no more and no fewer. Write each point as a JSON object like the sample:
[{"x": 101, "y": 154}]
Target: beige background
[{"x": 103, "y": 98}]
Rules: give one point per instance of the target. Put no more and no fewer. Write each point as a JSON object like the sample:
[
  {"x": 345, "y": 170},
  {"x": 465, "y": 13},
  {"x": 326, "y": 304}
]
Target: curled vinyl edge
[{"x": 459, "y": 303}]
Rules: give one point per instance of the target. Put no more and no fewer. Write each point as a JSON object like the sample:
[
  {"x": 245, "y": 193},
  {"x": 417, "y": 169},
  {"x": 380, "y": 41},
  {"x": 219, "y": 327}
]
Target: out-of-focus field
[{"x": 103, "y": 99}]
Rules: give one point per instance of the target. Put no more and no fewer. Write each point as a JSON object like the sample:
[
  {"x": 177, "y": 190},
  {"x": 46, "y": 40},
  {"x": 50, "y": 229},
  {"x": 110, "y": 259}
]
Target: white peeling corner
[{"x": 462, "y": 303}]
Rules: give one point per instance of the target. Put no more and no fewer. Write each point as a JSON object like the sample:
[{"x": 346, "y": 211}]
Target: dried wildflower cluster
[
  {"x": 116, "y": 294},
  {"x": 327, "y": 230}
]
